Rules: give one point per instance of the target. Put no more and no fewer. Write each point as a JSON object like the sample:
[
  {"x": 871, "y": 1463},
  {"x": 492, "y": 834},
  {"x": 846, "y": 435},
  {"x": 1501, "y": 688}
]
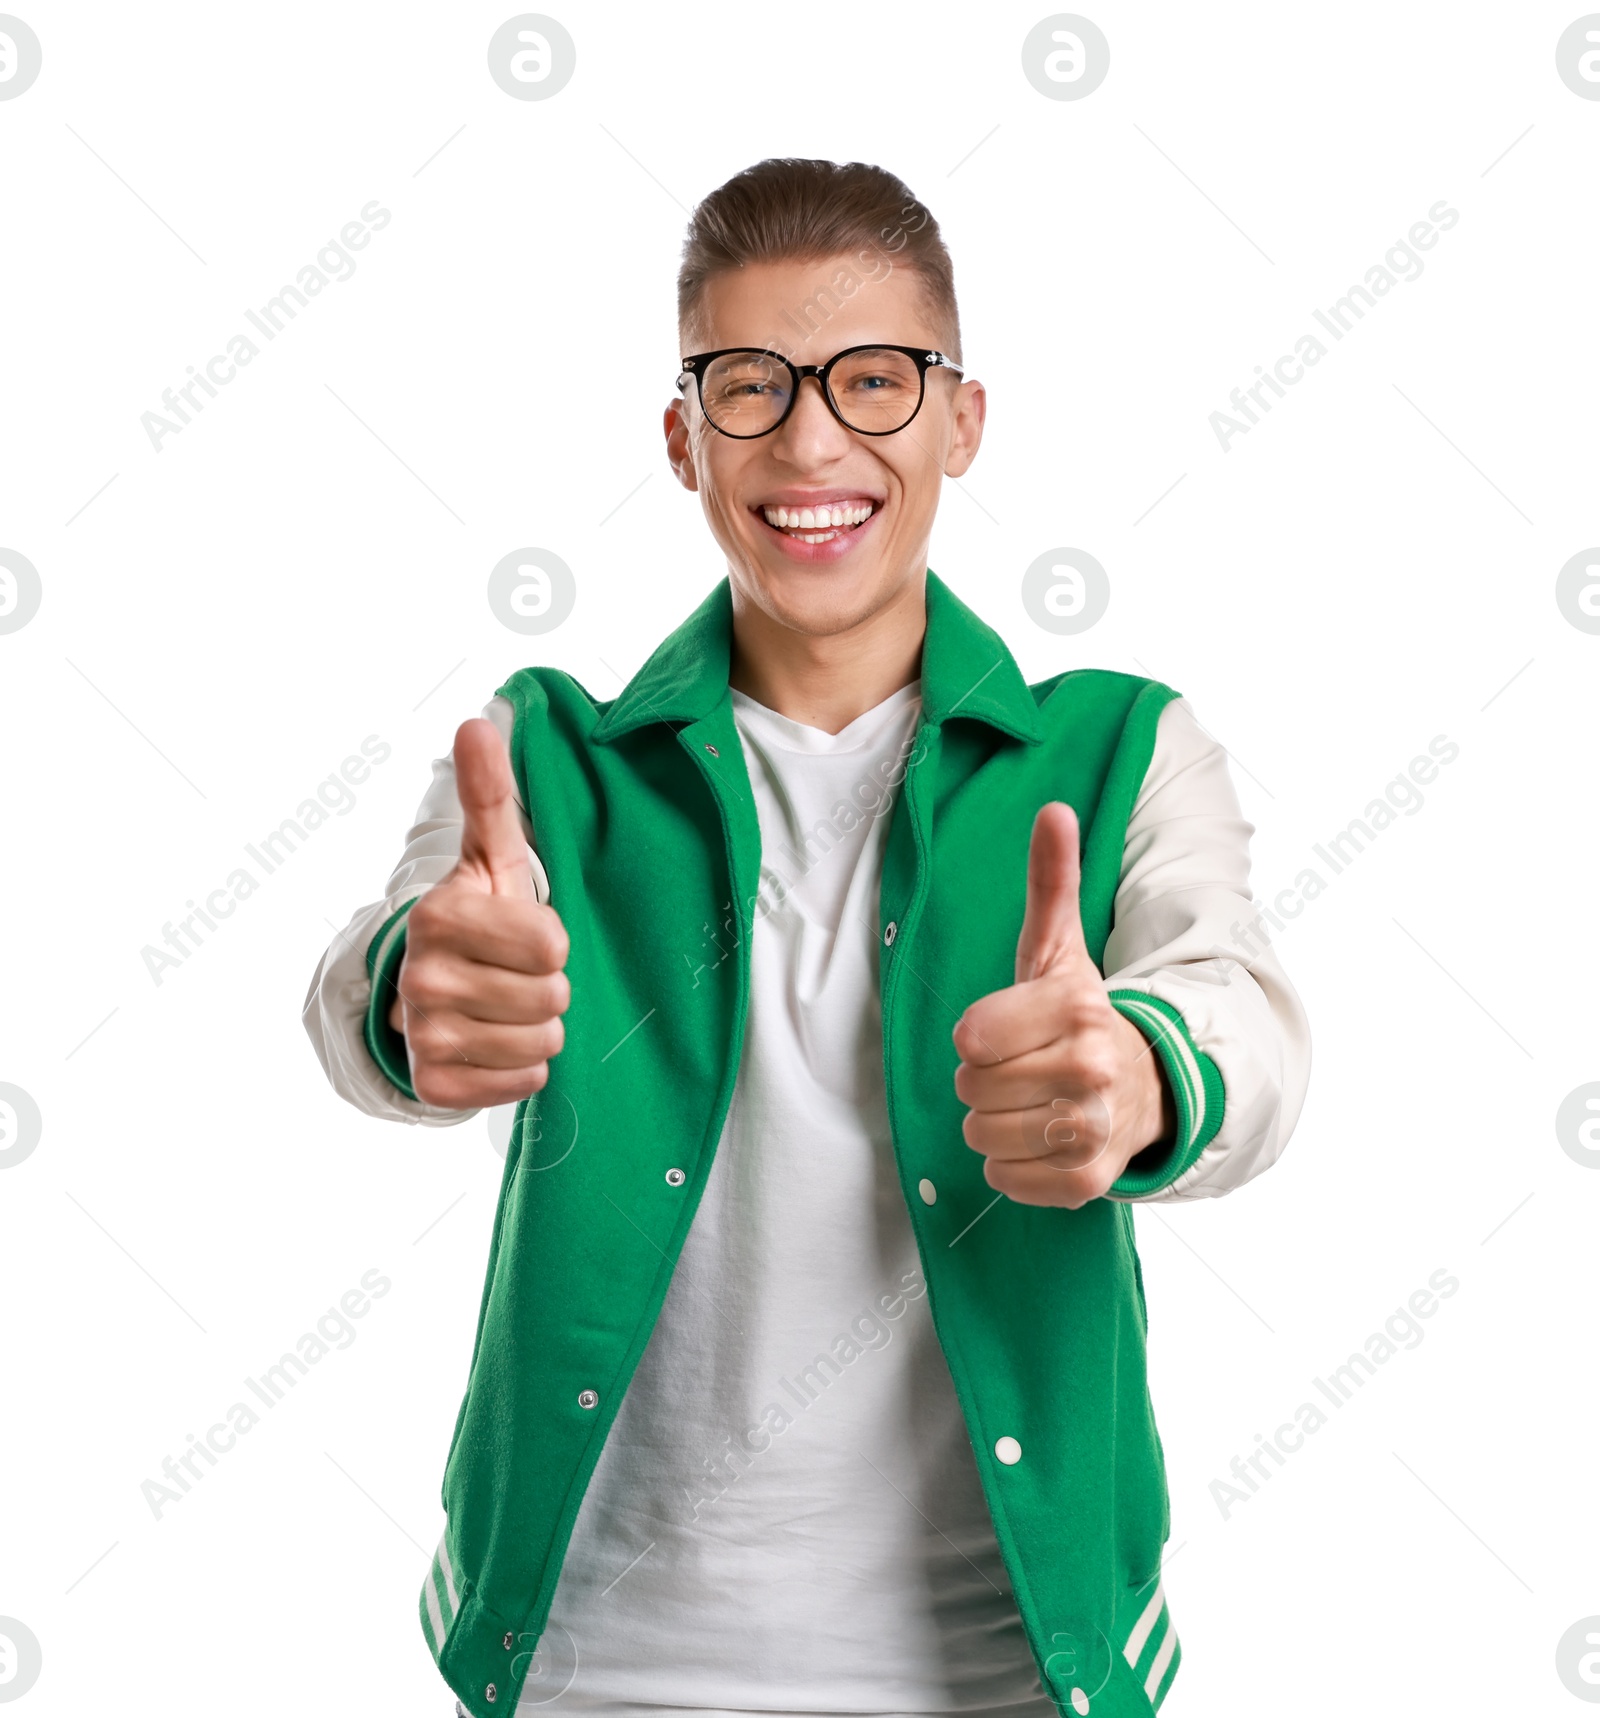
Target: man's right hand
[{"x": 481, "y": 986}]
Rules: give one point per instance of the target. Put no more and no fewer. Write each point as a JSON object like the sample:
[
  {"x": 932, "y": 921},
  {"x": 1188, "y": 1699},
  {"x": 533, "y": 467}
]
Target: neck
[{"x": 827, "y": 680}]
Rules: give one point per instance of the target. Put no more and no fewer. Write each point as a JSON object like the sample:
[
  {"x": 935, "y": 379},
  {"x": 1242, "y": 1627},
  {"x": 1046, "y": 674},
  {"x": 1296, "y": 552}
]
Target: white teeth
[{"x": 818, "y": 518}]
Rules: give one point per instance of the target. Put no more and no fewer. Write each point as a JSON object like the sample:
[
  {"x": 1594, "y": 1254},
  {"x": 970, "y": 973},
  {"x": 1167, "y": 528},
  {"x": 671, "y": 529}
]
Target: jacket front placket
[
  {"x": 1073, "y": 1654},
  {"x": 712, "y": 744}
]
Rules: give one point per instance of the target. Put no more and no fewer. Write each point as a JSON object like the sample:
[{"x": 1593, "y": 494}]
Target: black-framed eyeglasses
[{"x": 746, "y": 391}]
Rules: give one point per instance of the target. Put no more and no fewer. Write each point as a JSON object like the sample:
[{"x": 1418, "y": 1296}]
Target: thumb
[
  {"x": 1052, "y": 931},
  {"x": 492, "y": 841}
]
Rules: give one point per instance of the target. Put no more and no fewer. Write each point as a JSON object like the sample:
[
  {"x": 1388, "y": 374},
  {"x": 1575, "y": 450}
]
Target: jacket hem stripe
[{"x": 1152, "y": 1648}]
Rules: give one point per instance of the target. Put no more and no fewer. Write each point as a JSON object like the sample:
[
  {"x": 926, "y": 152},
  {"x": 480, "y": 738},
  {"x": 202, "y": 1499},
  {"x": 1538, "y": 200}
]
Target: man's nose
[{"x": 811, "y": 418}]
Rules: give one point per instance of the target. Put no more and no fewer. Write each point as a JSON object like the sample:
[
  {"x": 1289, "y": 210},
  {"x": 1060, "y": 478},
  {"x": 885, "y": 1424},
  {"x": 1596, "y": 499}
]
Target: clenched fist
[
  {"x": 481, "y": 986},
  {"x": 1062, "y": 1089}
]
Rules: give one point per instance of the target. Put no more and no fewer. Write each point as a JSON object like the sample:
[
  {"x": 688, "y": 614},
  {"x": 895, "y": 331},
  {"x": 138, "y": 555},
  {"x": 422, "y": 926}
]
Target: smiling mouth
[{"x": 819, "y": 524}]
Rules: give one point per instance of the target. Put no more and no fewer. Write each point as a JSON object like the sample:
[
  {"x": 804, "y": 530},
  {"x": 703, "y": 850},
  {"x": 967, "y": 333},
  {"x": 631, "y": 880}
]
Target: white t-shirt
[{"x": 787, "y": 1515}]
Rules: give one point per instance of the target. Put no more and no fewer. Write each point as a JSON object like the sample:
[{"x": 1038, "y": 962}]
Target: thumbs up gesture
[
  {"x": 481, "y": 987},
  {"x": 1061, "y": 1089}
]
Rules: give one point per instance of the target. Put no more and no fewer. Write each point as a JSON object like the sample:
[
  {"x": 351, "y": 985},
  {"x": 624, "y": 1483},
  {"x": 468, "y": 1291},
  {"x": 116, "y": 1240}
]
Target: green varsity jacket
[{"x": 1040, "y": 1311}]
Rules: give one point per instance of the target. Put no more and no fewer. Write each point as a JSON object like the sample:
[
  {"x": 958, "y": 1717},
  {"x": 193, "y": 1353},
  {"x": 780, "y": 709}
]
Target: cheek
[
  {"x": 919, "y": 492},
  {"x": 719, "y": 510},
  {"x": 720, "y": 479},
  {"x": 918, "y": 467}
]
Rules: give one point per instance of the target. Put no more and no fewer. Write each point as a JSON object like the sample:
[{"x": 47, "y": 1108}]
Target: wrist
[{"x": 1152, "y": 1114}]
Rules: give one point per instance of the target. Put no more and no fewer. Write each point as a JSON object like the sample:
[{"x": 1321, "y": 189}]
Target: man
[{"x": 810, "y": 1368}]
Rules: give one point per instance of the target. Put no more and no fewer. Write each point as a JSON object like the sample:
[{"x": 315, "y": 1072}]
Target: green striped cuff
[
  {"x": 1197, "y": 1092},
  {"x": 384, "y": 954}
]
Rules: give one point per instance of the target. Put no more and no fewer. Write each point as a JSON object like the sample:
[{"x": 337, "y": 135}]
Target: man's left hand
[{"x": 1062, "y": 1090}]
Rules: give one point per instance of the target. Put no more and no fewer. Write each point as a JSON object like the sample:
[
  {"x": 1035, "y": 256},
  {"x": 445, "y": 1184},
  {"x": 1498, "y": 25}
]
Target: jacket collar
[{"x": 967, "y": 671}]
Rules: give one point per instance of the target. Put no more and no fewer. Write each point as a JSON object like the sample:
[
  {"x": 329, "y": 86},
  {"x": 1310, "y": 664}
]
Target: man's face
[{"x": 814, "y": 460}]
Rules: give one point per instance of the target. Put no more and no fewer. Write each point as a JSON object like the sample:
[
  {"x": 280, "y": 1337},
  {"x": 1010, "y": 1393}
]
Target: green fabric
[
  {"x": 1196, "y": 1086},
  {"x": 648, "y": 833},
  {"x": 384, "y": 954}
]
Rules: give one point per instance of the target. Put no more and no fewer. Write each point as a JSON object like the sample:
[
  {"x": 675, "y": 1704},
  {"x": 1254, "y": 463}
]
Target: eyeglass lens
[{"x": 876, "y": 390}]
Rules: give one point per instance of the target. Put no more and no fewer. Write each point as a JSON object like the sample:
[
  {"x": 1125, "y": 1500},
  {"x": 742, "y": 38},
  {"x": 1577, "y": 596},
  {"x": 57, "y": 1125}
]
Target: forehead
[{"x": 809, "y": 309}]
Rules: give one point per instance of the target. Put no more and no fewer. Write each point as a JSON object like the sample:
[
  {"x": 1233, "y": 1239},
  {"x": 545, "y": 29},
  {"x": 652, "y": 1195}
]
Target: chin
[{"x": 819, "y": 601}]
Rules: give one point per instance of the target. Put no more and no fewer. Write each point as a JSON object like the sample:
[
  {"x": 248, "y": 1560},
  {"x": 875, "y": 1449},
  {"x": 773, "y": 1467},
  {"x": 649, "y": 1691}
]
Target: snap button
[
  {"x": 489, "y": 1693},
  {"x": 890, "y": 932},
  {"x": 587, "y": 1399},
  {"x": 676, "y": 1178},
  {"x": 1080, "y": 1702},
  {"x": 713, "y": 750},
  {"x": 928, "y": 1191},
  {"x": 509, "y": 1638},
  {"x": 1008, "y": 1450}
]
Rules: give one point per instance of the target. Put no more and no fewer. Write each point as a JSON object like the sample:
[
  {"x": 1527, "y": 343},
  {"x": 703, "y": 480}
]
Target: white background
[{"x": 1371, "y": 566}]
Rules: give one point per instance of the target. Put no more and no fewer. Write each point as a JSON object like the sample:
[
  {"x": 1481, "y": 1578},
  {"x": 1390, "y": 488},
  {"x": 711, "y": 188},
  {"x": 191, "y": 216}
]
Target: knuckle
[
  {"x": 999, "y": 1177},
  {"x": 556, "y": 945},
  {"x": 520, "y": 1083},
  {"x": 1087, "y": 1185},
  {"x": 424, "y": 982},
  {"x": 973, "y": 1016},
  {"x": 434, "y": 1085},
  {"x": 1104, "y": 1070},
  {"x": 420, "y": 1034},
  {"x": 1094, "y": 1062},
  {"x": 508, "y": 1087},
  {"x": 970, "y": 1041},
  {"x": 428, "y": 1044},
  {"x": 429, "y": 915}
]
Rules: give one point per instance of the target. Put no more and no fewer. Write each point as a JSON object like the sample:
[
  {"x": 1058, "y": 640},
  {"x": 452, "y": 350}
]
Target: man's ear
[
  {"x": 675, "y": 422},
  {"x": 967, "y": 430}
]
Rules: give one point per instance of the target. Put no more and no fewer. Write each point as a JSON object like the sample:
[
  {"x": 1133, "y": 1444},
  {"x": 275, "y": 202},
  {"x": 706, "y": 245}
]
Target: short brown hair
[{"x": 784, "y": 209}]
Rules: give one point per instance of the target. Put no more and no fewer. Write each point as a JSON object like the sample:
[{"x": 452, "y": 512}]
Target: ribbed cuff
[
  {"x": 1197, "y": 1092},
  {"x": 384, "y": 955}
]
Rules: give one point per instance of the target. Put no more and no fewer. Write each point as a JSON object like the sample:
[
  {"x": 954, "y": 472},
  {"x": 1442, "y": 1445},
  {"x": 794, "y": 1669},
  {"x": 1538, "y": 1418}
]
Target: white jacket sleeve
[
  {"x": 1185, "y": 932},
  {"x": 335, "y": 1012}
]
